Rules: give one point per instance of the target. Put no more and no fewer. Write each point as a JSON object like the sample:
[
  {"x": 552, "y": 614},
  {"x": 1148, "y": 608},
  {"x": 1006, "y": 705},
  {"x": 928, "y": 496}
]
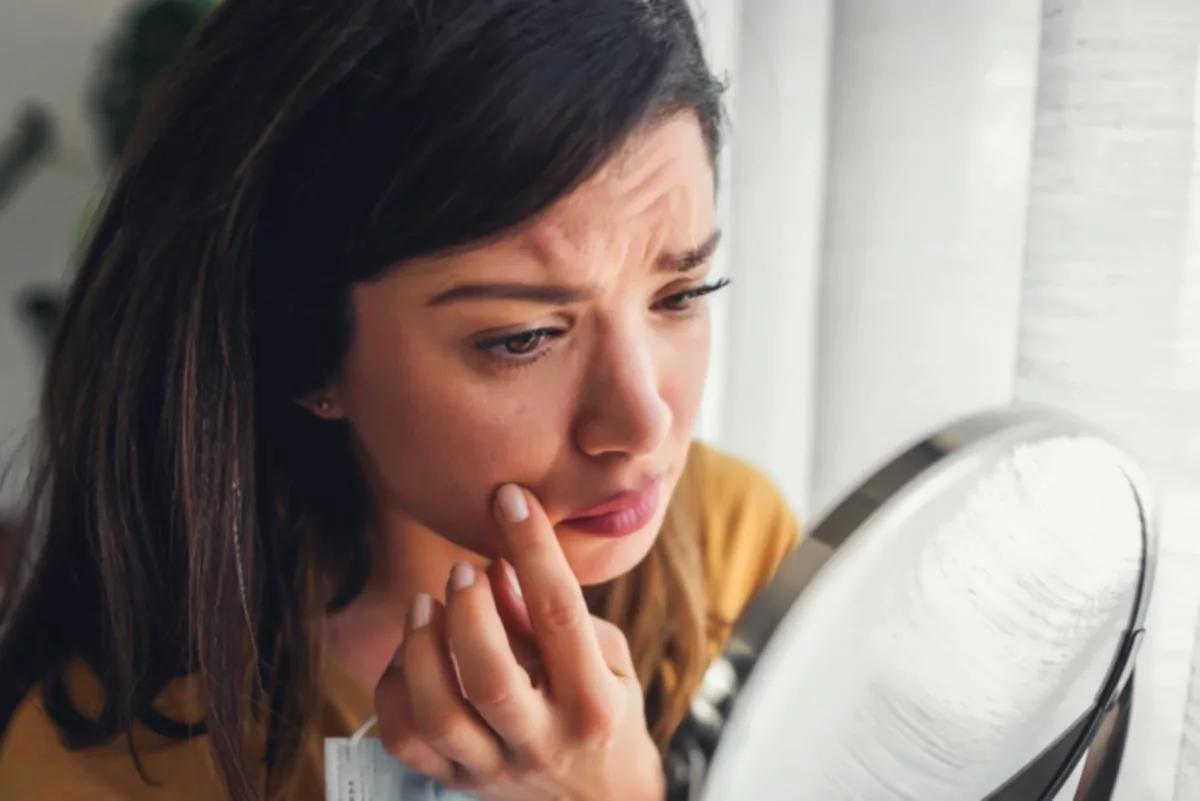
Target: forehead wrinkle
[
  {"x": 598, "y": 217},
  {"x": 580, "y": 251},
  {"x": 633, "y": 206},
  {"x": 552, "y": 242},
  {"x": 638, "y": 188}
]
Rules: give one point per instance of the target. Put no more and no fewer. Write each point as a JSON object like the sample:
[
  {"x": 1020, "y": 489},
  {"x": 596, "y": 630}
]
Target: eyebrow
[{"x": 557, "y": 294}]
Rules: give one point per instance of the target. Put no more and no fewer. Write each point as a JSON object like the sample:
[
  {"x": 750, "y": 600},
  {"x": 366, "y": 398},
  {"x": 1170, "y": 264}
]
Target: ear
[{"x": 324, "y": 404}]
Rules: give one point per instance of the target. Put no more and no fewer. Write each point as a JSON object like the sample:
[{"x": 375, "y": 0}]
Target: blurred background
[{"x": 932, "y": 207}]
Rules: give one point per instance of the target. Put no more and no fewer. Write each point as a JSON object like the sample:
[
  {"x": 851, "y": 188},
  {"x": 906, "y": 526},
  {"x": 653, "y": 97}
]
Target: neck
[{"x": 406, "y": 559}]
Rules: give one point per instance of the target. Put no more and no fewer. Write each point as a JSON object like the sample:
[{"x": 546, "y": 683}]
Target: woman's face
[{"x": 568, "y": 357}]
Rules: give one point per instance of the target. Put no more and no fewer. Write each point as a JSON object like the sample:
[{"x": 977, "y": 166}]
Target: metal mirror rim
[{"x": 973, "y": 438}]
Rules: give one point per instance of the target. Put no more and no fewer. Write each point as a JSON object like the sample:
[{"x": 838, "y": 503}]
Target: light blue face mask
[{"x": 359, "y": 769}]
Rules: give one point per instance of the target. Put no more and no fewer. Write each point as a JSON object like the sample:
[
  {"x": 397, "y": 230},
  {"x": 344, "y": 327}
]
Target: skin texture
[{"x": 605, "y": 403}]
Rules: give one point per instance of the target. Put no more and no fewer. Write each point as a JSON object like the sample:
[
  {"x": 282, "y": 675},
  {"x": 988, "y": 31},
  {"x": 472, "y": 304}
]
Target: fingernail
[
  {"x": 421, "y": 611},
  {"x": 512, "y": 578},
  {"x": 462, "y": 575},
  {"x": 511, "y": 502}
]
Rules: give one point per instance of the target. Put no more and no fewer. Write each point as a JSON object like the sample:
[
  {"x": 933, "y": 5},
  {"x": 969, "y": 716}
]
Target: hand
[{"x": 565, "y": 723}]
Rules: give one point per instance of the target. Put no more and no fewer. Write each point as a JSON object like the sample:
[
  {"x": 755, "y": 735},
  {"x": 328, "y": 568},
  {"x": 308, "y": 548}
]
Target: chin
[{"x": 597, "y": 560}]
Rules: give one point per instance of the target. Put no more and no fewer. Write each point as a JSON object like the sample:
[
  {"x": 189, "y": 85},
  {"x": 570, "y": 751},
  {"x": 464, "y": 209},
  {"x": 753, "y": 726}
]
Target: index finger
[{"x": 562, "y": 623}]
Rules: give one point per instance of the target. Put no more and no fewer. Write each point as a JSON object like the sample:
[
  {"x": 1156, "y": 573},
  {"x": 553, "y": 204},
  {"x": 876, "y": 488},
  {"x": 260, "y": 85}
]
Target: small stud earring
[{"x": 324, "y": 405}]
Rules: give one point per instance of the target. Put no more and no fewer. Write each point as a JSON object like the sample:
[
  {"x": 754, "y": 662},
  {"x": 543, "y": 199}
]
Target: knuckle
[
  {"x": 446, "y": 734},
  {"x": 552, "y": 759},
  {"x": 409, "y": 750},
  {"x": 613, "y": 642},
  {"x": 600, "y": 723},
  {"x": 493, "y": 694},
  {"x": 395, "y": 734},
  {"x": 635, "y": 699},
  {"x": 486, "y": 773},
  {"x": 560, "y": 610}
]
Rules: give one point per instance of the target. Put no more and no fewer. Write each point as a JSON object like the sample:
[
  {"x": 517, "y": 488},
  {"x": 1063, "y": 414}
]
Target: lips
[{"x": 621, "y": 515}]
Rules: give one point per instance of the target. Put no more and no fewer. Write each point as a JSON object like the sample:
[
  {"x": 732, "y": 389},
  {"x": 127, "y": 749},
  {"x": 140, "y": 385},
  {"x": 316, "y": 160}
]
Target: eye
[
  {"x": 520, "y": 348},
  {"x": 524, "y": 344},
  {"x": 684, "y": 301}
]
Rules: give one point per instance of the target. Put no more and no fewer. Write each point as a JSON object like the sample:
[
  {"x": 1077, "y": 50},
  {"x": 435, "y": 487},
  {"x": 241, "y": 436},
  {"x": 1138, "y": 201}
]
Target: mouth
[{"x": 621, "y": 515}]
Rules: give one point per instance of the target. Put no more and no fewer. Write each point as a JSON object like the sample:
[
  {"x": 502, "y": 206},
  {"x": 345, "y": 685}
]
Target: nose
[{"x": 622, "y": 411}]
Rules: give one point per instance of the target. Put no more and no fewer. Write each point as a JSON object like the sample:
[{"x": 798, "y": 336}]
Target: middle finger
[
  {"x": 441, "y": 714},
  {"x": 492, "y": 677}
]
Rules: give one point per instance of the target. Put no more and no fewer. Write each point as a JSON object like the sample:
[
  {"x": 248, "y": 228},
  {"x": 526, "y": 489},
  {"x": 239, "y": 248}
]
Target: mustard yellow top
[{"x": 748, "y": 529}]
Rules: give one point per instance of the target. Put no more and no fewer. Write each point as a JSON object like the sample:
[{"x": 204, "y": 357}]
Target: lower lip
[{"x": 623, "y": 522}]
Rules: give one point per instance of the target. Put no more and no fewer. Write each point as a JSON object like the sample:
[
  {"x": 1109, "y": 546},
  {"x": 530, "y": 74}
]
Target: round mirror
[{"x": 963, "y": 625}]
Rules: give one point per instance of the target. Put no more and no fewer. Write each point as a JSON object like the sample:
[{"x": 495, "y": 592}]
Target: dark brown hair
[{"x": 181, "y": 502}]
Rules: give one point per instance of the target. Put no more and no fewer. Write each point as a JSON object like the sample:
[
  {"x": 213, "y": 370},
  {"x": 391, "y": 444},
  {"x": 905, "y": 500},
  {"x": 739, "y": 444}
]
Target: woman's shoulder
[
  {"x": 36, "y": 763},
  {"x": 748, "y": 526}
]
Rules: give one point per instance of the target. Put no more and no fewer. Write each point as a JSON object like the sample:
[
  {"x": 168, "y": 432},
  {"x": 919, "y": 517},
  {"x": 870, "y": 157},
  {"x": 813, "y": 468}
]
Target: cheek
[
  {"x": 683, "y": 375},
  {"x": 437, "y": 438},
  {"x": 438, "y": 441}
]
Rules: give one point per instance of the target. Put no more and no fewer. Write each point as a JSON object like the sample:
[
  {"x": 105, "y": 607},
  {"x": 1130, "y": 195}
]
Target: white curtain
[
  {"x": 938, "y": 206},
  {"x": 777, "y": 54}
]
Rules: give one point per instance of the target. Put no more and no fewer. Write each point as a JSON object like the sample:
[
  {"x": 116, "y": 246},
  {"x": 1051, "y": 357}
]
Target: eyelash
[
  {"x": 493, "y": 348},
  {"x": 694, "y": 294}
]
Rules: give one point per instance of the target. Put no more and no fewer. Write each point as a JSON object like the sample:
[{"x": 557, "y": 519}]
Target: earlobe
[{"x": 322, "y": 405}]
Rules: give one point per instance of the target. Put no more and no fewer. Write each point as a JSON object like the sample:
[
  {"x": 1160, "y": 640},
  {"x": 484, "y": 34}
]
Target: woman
[{"x": 390, "y": 301}]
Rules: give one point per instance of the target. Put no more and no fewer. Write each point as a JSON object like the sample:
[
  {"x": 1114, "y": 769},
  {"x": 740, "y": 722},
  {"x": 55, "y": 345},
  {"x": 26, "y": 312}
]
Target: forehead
[
  {"x": 659, "y": 186},
  {"x": 655, "y": 194}
]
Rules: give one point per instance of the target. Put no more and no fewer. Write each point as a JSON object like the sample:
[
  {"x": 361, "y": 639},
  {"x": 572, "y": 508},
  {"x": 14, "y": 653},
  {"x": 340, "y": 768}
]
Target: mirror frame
[{"x": 974, "y": 439}]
